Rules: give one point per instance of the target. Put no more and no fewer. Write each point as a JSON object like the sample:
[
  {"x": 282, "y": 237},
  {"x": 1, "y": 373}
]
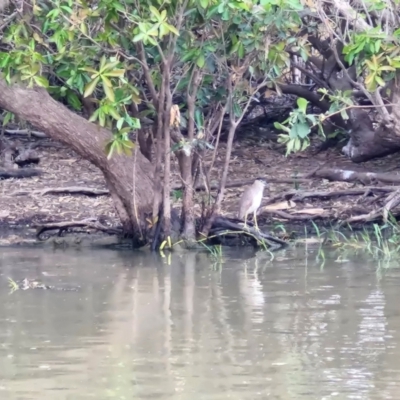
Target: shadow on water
[{"x": 142, "y": 327}]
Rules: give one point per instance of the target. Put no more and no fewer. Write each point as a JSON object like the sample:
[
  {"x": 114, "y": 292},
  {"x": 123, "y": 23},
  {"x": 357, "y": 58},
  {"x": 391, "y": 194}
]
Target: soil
[{"x": 23, "y": 204}]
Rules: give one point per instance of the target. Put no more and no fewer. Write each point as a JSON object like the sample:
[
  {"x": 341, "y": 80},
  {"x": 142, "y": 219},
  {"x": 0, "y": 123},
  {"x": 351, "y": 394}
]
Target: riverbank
[{"x": 71, "y": 189}]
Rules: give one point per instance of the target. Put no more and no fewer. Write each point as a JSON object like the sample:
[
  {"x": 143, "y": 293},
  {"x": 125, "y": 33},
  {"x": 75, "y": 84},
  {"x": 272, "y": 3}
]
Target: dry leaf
[{"x": 175, "y": 117}]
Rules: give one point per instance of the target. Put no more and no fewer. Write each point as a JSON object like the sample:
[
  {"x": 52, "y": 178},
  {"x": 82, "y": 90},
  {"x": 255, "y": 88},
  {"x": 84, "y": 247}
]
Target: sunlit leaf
[
  {"x": 173, "y": 29},
  {"x": 114, "y": 113},
  {"x": 41, "y": 81},
  {"x": 106, "y": 81},
  {"x": 155, "y": 12},
  {"x": 139, "y": 37},
  {"x": 200, "y": 61},
  {"x": 120, "y": 122},
  {"x": 115, "y": 73},
  {"x": 89, "y": 69},
  {"x": 302, "y": 104},
  {"x": 380, "y": 81},
  {"x": 103, "y": 61},
  {"x": 110, "y": 65},
  {"x": 90, "y": 87},
  {"x": 108, "y": 90}
]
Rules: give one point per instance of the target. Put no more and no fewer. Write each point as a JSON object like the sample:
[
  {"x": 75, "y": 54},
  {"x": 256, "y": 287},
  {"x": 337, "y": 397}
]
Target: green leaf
[
  {"x": 303, "y": 130},
  {"x": 94, "y": 116},
  {"x": 89, "y": 69},
  {"x": 90, "y": 87},
  {"x": 277, "y": 125},
  {"x": 200, "y": 61},
  {"x": 139, "y": 37},
  {"x": 74, "y": 101},
  {"x": 289, "y": 146},
  {"x": 299, "y": 130},
  {"x": 110, "y": 147},
  {"x": 114, "y": 113},
  {"x": 297, "y": 144},
  {"x": 102, "y": 62},
  {"x": 7, "y": 118},
  {"x": 108, "y": 90},
  {"x": 302, "y": 104},
  {"x": 173, "y": 29},
  {"x": 41, "y": 81},
  {"x": 110, "y": 65},
  {"x": 117, "y": 73},
  {"x": 204, "y": 3},
  {"x": 102, "y": 118},
  {"x": 379, "y": 81},
  {"x": 155, "y": 12},
  {"x": 120, "y": 123}
]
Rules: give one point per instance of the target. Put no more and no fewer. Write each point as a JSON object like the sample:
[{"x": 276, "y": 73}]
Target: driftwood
[
  {"x": 64, "y": 190},
  {"x": 298, "y": 195},
  {"x": 334, "y": 174},
  {"x": 63, "y": 226},
  {"x": 19, "y": 173},
  {"x": 25, "y": 132},
  {"x": 392, "y": 201},
  {"x": 388, "y": 195},
  {"x": 223, "y": 228}
]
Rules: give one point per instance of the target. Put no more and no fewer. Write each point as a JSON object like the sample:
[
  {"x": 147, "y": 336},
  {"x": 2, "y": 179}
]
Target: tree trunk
[
  {"x": 131, "y": 192},
  {"x": 366, "y": 143}
]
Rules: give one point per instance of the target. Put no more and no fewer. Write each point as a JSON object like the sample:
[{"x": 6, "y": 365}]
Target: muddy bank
[{"x": 71, "y": 189}]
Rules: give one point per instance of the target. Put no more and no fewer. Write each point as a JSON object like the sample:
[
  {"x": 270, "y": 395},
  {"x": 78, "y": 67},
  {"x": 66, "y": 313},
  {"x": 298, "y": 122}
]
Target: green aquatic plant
[
  {"x": 12, "y": 285},
  {"x": 380, "y": 242}
]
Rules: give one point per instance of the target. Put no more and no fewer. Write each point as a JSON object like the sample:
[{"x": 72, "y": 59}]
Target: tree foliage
[{"x": 204, "y": 62}]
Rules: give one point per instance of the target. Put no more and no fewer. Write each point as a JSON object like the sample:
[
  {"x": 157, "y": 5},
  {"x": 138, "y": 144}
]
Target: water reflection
[{"x": 244, "y": 328}]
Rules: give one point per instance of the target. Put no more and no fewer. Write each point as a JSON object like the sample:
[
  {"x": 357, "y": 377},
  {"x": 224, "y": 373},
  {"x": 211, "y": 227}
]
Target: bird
[{"x": 251, "y": 200}]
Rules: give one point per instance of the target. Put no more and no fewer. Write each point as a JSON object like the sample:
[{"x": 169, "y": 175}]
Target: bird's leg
[
  {"x": 245, "y": 220},
  {"x": 255, "y": 220}
]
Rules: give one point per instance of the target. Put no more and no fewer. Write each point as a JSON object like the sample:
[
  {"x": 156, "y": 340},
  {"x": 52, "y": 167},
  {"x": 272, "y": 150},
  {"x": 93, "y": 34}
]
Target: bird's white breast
[{"x": 257, "y": 198}]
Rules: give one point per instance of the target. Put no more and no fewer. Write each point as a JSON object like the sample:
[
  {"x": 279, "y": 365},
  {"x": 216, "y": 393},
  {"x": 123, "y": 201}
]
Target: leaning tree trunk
[{"x": 128, "y": 179}]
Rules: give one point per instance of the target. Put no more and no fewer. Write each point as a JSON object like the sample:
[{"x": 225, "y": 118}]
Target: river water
[{"x": 139, "y": 326}]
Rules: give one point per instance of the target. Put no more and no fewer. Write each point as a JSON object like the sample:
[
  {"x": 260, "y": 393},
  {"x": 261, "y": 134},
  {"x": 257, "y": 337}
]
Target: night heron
[{"x": 251, "y": 200}]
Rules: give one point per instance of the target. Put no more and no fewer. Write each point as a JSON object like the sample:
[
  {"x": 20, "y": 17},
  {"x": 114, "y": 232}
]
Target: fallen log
[
  {"x": 225, "y": 227},
  {"x": 86, "y": 191},
  {"x": 366, "y": 178},
  {"x": 63, "y": 226},
  {"x": 297, "y": 195},
  {"x": 19, "y": 173}
]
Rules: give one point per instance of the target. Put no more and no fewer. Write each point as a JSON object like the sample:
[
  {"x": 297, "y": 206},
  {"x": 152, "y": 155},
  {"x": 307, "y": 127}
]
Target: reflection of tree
[{"x": 141, "y": 328}]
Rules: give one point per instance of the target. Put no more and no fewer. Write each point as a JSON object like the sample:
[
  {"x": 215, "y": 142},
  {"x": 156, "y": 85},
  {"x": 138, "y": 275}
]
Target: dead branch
[
  {"x": 392, "y": 201},
  {"x": 224, "y": 226},
  {"x": 63, "y": 226},
  {"x": 86, "y": 191},
  {"x": 26, "y": 132},
  {"x": 300, "y": 196},
  {"x": 19, "y": 173},
  {"x": 334, "y": 174}
]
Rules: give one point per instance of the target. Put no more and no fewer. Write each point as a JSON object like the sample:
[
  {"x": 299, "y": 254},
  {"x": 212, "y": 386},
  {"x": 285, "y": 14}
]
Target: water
[{"x": 138, "y": 328}]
